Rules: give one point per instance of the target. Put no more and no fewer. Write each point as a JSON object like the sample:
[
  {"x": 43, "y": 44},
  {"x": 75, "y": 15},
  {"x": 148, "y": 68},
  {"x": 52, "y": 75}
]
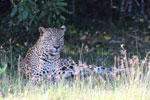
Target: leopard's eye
[{"x": 63, "y": 27}]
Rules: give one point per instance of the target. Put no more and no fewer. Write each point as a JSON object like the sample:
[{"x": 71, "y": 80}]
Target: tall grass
[
  {"x": 133, "y": 85},
  {"x": 78, "y": 90}
]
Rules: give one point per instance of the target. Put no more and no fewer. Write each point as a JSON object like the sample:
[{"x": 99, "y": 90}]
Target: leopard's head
[{"x": 52, "y": 40}]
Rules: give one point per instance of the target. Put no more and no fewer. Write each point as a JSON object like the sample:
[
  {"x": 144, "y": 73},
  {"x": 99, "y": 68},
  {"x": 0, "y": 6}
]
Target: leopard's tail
[{"x": 105, "y": 70}]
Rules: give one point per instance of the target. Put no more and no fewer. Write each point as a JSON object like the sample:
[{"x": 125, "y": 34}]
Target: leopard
[
  {"x": 42, "y": 58},
  {"x": 43, "y": 62}
]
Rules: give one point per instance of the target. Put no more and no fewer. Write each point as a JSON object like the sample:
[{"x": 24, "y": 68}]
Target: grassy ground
[
  {"x": 77, "y": 90},
  {"x": 133, "y": 86}
]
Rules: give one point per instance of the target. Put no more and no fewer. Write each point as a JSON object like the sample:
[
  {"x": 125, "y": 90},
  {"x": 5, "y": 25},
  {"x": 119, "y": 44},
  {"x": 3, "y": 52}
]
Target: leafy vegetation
[
  {"x": 98, "y": 26},
  {"x": 36, "y": 12},
  {"x": 95, "y": 31},
  {"x": 3, "y": 69}
]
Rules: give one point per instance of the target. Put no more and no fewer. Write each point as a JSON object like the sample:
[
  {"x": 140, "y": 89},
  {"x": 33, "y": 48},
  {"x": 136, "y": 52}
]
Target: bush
[{"x": 32, "y": 13}]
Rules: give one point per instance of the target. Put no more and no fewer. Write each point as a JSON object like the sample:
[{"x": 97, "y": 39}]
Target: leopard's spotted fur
[
  {"x": 43, "y": 57},
  {"x": 43, "y": 61}
]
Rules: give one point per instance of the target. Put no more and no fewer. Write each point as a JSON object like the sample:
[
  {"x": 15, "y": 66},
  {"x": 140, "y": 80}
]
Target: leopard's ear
[
  {"x": 42, "y": 30},
  {"x": 63, "y": 28}
]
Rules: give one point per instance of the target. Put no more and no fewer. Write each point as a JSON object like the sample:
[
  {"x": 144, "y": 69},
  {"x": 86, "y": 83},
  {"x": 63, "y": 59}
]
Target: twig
[
  {"x": 73, "y": 8},
  {"x": 11, "y": 59},
  {"x": 81, "y": 51},
  {"x": 19, "y": 69},
  {"x": 137, "y": 3},
  {"x": 136, "y": 41},
  {"x": 122, "y": 11},
  {"x": 130, "y": 6},
  {"x": 143, "y": 13}
]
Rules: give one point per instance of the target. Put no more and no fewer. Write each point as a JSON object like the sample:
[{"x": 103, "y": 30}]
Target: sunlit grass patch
[
  {"x": 77, "y": 90},
  {"x": 132, "y": 92}
]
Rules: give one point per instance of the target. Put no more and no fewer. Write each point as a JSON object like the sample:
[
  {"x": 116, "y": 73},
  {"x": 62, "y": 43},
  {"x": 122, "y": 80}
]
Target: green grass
[
  {"x": 77, "y": 90},
  {"x": 133, "y": 86}
]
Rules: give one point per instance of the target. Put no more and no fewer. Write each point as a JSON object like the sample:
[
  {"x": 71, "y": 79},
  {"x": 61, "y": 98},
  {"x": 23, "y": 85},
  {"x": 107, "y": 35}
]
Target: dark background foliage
[{"x": 94, "y": 27}]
